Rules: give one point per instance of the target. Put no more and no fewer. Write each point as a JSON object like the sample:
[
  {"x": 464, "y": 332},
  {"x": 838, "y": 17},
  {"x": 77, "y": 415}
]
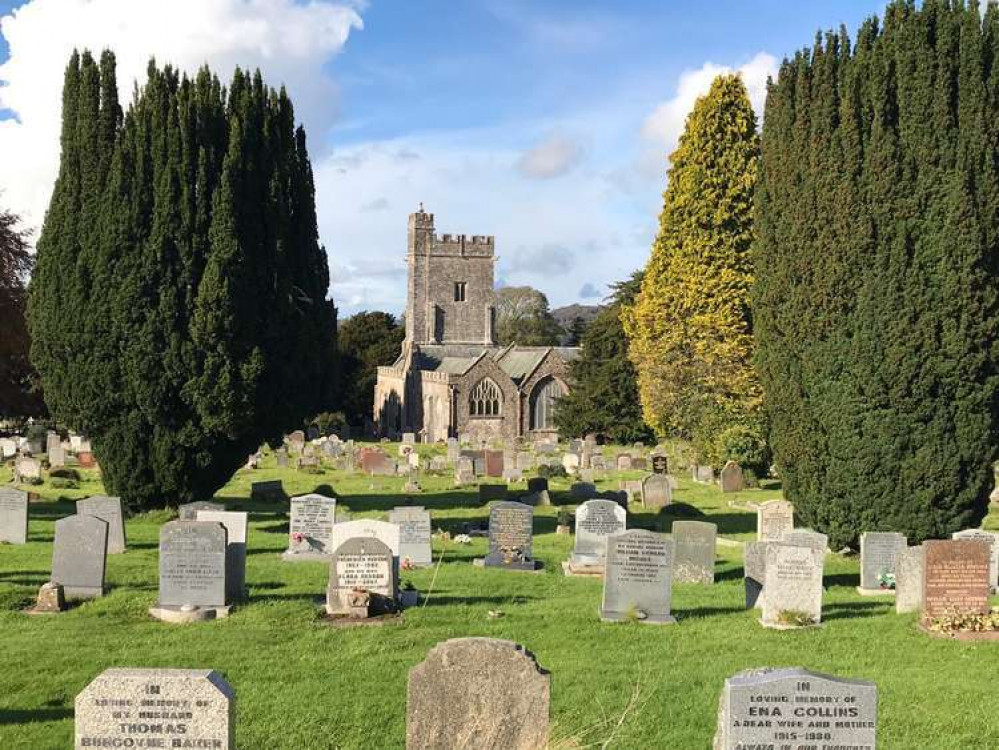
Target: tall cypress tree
[
  {"x": 180, "y": 313},
  {"x": 875, "y": 303}
]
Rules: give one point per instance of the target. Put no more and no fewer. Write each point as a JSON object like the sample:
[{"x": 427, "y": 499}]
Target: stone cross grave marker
[
  {"x": 414, "y": 534},
  {"x": 363, "y": 563},
  {"x": 774, "y": 518},
  {"x": 79, "y": 556},
  {"x": 511, "y": 536},
  {"x": 638, "y": 577},
  {"x": 793, "y": 585},
  {"x": 695, "y": 551},
  {"x": 13, "y": 516},
  {"x": 955, "y": 577},
  {"x": 878, "y": 551},
  {"x": 235, "y": 522},
  {"x": 310, "y": 530}
]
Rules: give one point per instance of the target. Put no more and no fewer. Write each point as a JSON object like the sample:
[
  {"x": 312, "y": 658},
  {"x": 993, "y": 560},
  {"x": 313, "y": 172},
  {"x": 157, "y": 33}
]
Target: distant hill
[{"x": 566, "y": 315}]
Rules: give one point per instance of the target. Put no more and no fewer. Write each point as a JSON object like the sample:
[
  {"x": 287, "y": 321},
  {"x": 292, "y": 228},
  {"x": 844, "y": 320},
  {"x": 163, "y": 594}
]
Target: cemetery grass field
[{"x": 302, "y": 684}]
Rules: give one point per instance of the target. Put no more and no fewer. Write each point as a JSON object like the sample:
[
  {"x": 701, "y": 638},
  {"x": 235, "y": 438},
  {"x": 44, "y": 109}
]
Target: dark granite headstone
[
  {"x": 268, "y": 491},
  {"x": 638, "y": 577},
  {"x": 192, "y": 564},
  {"x": 13, "y": 516},
  {"x": 362, "y": 563},
  {"x": 955, "y": 577},
  {"x": 79, "y": 555},
  {"x": 511, "y": 536},
  {"x": 491, "y": 492},
  {"x": 108, "y": 509},
  {"x": 537, "y": 484},
  {"x": 695, "y": 551}
]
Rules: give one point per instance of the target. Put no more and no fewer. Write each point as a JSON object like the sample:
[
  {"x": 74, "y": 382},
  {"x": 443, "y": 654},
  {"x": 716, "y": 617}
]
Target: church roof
[{"x": 516, "y": 361}]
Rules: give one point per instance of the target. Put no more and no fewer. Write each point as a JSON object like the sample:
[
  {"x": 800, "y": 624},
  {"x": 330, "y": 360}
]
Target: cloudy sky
[{"x": 547, "y": 124}]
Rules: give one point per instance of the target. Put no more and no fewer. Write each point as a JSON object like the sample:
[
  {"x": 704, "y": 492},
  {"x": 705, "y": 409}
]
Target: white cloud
[
  {"x": 289, "y": 41},
  {"x": 552, "y": 157}
]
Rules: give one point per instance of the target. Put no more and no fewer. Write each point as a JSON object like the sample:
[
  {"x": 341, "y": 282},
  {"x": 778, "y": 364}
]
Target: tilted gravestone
[
  {"x": 310, "y": 529},
  {"x": 79, "y": 556},
  {"x": 909, "y": 579},
  {"x": 235, "y": 551},
  {"x": 796, "y": 709},
  {"x": 596, "y": 520},
  {"x": 13, "y": 516},
  {"x": 108, "y": 509},
  {"x": 657, "y": 491},
  {"x": 792, "y": 594},
  {"x": 878, "y": 551},
  {"x": 638, "y": 578},
  {"x": 511, "y": 537},
  {"x": 992, "y": 539},
  {"x": 955, "y": 577},
  {"x": 774, "y": 518},
  {"x": 695, "y": 551},
  {"x": 192, "y": 571},
  {"x": 387, "y": 533},
  {"x": 365, "y": 564},
  {"x": 806, "y": 538},
  {"x": 414, "y": 534},
  {"x": 731, "y": 478},
  {"x": 477, "y": 694},
  {"x": 755, "y": 572},
  {"x": 156, "y": 708},
  {"x": 189, "y": 511}
]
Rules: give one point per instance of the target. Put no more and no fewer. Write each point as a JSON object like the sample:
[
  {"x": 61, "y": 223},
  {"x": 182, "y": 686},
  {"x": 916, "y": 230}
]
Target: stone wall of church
[{"x": 486, "y": 427}]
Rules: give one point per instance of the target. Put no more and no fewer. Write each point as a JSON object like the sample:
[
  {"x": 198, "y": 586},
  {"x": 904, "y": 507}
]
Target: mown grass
[{"x": 301, "y": 684}]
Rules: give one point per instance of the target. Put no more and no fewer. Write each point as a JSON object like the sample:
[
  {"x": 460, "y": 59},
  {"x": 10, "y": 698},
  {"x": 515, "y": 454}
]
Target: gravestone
[
  {"x": 639, "y": 463},
  {"x": 86, "y": 460},
  {"x": 570, "y": 462},
  {"x": 511, "y": 476},
  {"x": 13, "y": 516},
  {"x": 992, "y": 539},
  {"x": 793, "y": 585},
  {"x": 308, "y": 462},
  {"x": 731, "y": 478},
  {"x": 281, "y": 459},
  {"x": 596, "y": 520},
  {"x": 26, "y": 468},
  {"x": 479, "y": 466},
  {"x": 878, "y": 550},
  {"x": 491, "y": 492},
  {"x": 409, "y": 438},
  {"x": 107, "y": 509},
  {"x": 624, "y": 462},
  {"x": 438, "y": 463},
  {"x": 57, "y": 457},
  {"x": 583, "y": 490},
  {"x": 414, "y": 534},
  {"x": 598, "y": 462},
  {"x": 796, "y": 709},
  {"x": 494, "y": 463},
  {"x": 909, "y": 579},
  {"x": 52, "y": 442},
  {"x": 234, "y": 522},
  {"x": 464, "y": 471},
  {"x": 656, "y": 491},
  {"x": 453, "y": 449},
  {"x": 156, "y": 708},
  {"x": 268, "y": 491},
  {"x": 537, "y": 484},
  {"x": 297, "y": 439},
  {"x": 660, "y": 464},
  {"x": 363, "y": 563},
  {"x": 192, "y": 571},
  {"x": 755, "y": 572},
  {"x": 955, "y": 577},
  {"x": 704, "y": 474},
  {"x": 806, "y": 538},
  {"x": 310, "y": 530},
  {"x": 387, "y": 533},
  {"x": 511, "y": 536},
  {"x": 638, "y": 578},
  {"x": 79, "y": 555},
  {"x": 694, "y": 560},
  {"x": 189, "y": 511},
  {"x": 477, "y": 694},
  {"x": 524, "y": 461},
  {"x": 8, "y": 448},
  {"x": 774, "y": 518}
]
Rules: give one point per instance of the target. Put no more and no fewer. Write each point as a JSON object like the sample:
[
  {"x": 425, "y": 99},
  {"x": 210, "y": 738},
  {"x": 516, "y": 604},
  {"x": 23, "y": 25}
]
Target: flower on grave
[
  {"x": 886, "y": 580},
  {"x": 406, "y": 564},
  {"x": 463, "y": 539}
]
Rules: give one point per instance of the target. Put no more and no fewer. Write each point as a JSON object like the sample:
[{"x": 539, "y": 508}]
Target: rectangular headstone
[
  {"x": 657, "y": 492},
  {"x": 774, "y": 518},
  {"x": 235, "y": 525},
  {"x": 955, "y": 577},
  {"x": 730, "y": 478},
  {"x": 189, "y": 511},
  {"x": 156, "y": 708},
  {"x": 695, "y": 551},
  {"x": 992, "y": 539},
  {"x": 192, "y": 564},
  {"x": 108, "y": 509},
  {"x": 796, "y": 709},
  {"x": 624, "y": 462},
  {"x": 596, "y": 520},
  {"x": 638, "y": 578},
  {"x": 267, "y": 491},
  {"x": 79, "y": 556},
  {"x": 310, "y": 529},
  {"x": 28, "y": 468},
  {"x": 414, "y": 534},
  {"x": 493, "y": 463},
  {"x": 909, "y": 579},
  {"x": 806, "y": 538},
  {"x": 755, "y": 572},
  {"x": 793, "y": 583},
  {"x": 13, "y": 516},
  {"x": 511, "y": 536},
  {"x": 878, "y": 550},
  {"x": 57, "y": 457},
  {"x": 362, "y": 563},
  {"x": 387, "y": 533}
]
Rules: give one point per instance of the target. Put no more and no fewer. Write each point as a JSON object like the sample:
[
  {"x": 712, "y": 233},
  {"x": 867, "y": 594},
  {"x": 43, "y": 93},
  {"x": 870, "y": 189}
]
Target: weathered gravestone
[
  {"x": 704, "y": 474},
  {"x": 524, "y": 461},
  {"x": 731, "y": 478},
  {"x": 570, "y": 462},
  {"x": 86, "y": 459},
  {"x": 189, "y": 511},
  {"x": 755, "y": 572},
  {"x": 878, "y": 551},
  {"x": 453, "y": 449},
  {"x": 281, "y": 458},
  {"x": 638, "y": 578},
  {"x": 774, "y": 518},
  {"x": 192, "y": 572},
  {"x": 639, "y": 463},
  {"x": 107, "y": 509},
  {"x": 624, "y": 462},
  {"x": 79, "y": 556},
  {"x": 596, "y": 520},
  {"x": 414, "y": 534},
  {"x": 26, "y": 468},
  {"x": 806, "y": 538},
  {"x": 955, "y": 577},
  {"x": 438, "y": 463},
  {"x": 494, "y": 463},
  {"x": 656, "y": 491},
  {"x": 992, "y": 539},
  {"x": 57, "y": 457},
  {"x": 511, "y": 537},
  {"x": 8, "y": 447},
  {"x": 363, "y": 564},
  {"x": 598, "y": 462},
  {"x": 268, "y": 491},
  {"x": 796, "y": 709},
  {"x": 235, "y": 551},
  {"x": 464, "y": 471},
  {"x": 477, "y": 694},
  {"x": 695, "y": 551},
  {"x": 387, "y": 533},
  {"x": 909, "y": 579},
  {"x": 310, "y": 530},
  {"x": 156, "y": 708},
  {"x": 409, "y": 438},
  {"x": 792, "y": 594},
  {"x": 13, "y": 516}
]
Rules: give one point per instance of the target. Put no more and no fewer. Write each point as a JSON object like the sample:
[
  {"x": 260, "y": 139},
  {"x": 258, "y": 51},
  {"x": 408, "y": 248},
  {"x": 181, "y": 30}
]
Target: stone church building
[{"x": 452, "y": 378}]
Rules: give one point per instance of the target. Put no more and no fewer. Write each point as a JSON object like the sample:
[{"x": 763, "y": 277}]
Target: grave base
[
  {"x": 534, "y": 566},
  {"x": 198, "y": 614},
  {"x": 340, "y": 620},
  {"x": 875, "y": 592},
  {"x": 779, "y": 626},
  {"x": 628, "y": 617},
  {"x": 289, "y": 556},
  {"x": 961, "y": 635},
  {"x": 583, "y": 571},
  {"x": 36, "y": 611}
]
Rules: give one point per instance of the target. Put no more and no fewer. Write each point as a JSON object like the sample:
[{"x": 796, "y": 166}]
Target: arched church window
[
  {"x": 543, "y": 399},
  {"x": 485, "y": 400}
]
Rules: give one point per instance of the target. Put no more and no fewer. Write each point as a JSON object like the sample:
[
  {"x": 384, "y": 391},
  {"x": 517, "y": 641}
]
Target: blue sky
[{"x": 547, "y": 124}]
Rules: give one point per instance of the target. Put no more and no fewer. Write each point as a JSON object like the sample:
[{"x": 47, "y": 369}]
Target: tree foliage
[
  {"x": 523, "y": 317},
  {"x": 178, "y": 312},
  {"x": 876, "y": 304},
  {"x": 690, "y": 327},
  {"x": 365, "y": 341},
  {"x": 604, "y": 395}
]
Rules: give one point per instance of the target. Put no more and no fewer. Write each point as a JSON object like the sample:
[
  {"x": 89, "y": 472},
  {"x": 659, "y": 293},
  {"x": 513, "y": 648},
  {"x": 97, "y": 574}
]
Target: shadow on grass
[
  {"x": 729, "y": 574},
  {"x": 856, "y": 610},
  {"x": 436, "y": 599},
  {"x": 30, "y": 715},
  {"x": 699, "y": 612},
  {"x": 849, "y": 580}
]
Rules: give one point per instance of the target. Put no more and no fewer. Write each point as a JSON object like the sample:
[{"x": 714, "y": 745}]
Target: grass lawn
[{"x": 301, "y": 684}]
